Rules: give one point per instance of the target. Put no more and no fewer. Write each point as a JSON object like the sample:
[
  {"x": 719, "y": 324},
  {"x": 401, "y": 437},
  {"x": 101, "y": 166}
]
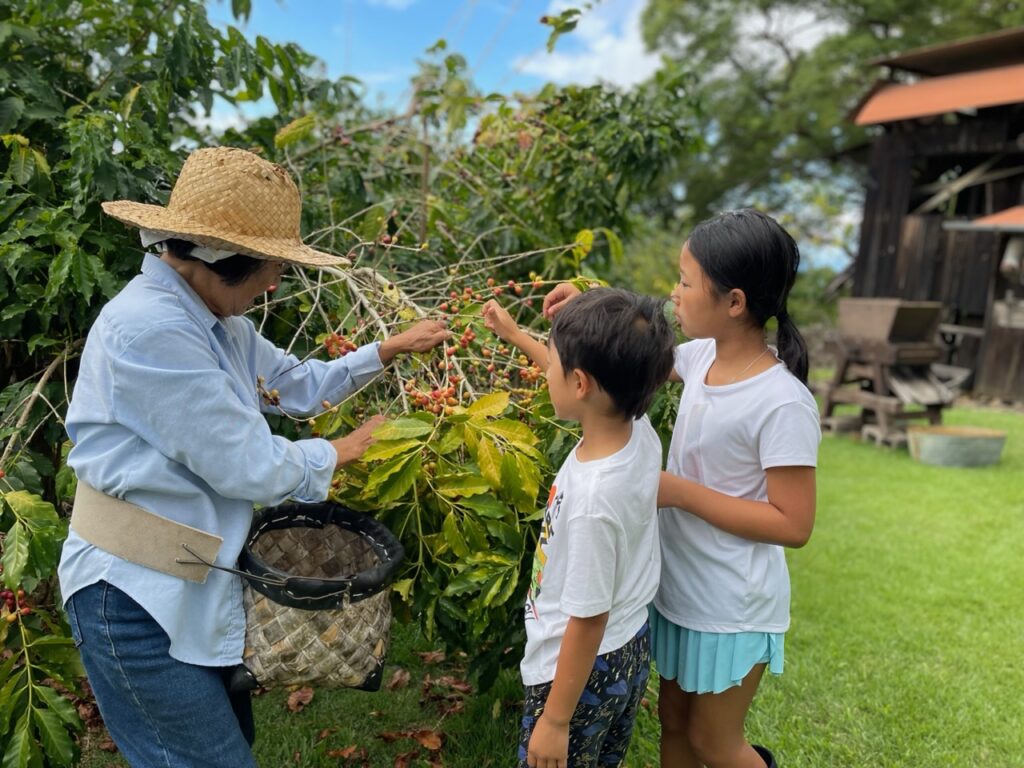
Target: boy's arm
[
  {"x": 549, "y": 744},
  {"x": 497, "y": 319}
]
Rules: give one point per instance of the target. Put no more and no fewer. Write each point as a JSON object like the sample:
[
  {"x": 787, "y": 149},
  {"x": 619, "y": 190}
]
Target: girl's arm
[
  {"x": 497, "y": 319},
  {"x": 582, "y": 639},
  {"x": 787, "y": 518}
]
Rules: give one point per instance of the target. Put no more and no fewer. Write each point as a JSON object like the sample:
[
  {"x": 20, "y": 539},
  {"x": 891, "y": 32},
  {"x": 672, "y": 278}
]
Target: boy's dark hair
[
  {"x": 620, "y": 338},
  {"x": 749, "y": 250},
  {"x": 233, "y": 270}
]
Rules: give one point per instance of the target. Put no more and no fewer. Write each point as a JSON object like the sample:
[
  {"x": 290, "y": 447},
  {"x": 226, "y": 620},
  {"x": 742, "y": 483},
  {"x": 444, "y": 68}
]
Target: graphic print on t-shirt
[{"x": 547, "y": 532}]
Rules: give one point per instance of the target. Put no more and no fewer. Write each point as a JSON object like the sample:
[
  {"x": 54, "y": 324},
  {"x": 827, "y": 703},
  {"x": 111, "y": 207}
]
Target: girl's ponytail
[{"x": 791, "y": 346}]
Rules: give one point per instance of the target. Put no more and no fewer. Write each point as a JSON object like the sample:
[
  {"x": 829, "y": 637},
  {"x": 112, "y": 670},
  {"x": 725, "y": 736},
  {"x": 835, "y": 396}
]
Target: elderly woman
[{"x": 171, "y": 447}]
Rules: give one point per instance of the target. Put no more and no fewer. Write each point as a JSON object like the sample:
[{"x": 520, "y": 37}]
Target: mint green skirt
[{"x": 711, "y": 662}]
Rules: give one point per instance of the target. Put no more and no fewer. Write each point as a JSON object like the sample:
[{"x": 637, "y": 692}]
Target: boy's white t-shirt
[
  {"x": 598, "y": 550},
  {"x": 725, "y": 438}
]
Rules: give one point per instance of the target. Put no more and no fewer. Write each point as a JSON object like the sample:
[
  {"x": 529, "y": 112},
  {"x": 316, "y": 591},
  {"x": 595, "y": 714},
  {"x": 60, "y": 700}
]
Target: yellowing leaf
[
  {"x": 295, "y": 131},
  {"x": 492, "y": 404},
  {"x": 489, "y": 458},
  {"x": 385, "y": 449}
]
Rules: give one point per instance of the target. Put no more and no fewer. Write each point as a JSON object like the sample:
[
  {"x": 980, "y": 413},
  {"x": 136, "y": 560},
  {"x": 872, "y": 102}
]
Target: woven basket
[{"x": 316, "y": 605}]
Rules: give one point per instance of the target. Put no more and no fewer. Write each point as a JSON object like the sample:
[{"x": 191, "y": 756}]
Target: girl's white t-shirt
[
  {"x": 597, "y": 551},
  {"x": 725, "y": 438}
]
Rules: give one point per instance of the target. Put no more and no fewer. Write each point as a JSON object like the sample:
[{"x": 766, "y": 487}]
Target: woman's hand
[
  {"x": 558, "y": 297},
  {"x": 498, "y": 320},
  {"x": 352, "y": 446},
  {"x": 422, "y": 337}
]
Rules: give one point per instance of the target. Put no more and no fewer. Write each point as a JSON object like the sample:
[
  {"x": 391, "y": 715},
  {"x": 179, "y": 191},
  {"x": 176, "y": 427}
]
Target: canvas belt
[{"x": 143, "y": 537}]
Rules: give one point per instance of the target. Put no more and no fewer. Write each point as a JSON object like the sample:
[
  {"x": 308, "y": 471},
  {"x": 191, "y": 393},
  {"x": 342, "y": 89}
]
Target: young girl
[{"x": 739, "y": 488}]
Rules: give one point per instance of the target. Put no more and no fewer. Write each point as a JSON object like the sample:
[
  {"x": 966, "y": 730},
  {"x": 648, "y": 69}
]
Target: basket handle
[{"x": 270, "y": 581}]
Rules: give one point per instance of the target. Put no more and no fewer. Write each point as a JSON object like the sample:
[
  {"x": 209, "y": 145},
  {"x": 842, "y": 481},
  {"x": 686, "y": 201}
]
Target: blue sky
[{"x": 503, "y": 41}]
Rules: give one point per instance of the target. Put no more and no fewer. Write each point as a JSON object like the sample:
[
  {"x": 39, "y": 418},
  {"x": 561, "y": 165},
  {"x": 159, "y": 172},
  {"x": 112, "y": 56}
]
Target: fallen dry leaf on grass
[
  {"x": 427, "y": 739},
  {"x": 402, "y": 760},
  {"x": 431, "y": 657},
  {"x": 400, "y": 679},
  {"x": 300, "y": 698}
]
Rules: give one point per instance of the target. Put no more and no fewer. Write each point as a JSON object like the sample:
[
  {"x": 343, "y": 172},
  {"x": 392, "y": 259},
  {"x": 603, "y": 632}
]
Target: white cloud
[
  {"x": 395, "y": 5},
  {"x": 606, "y": 46}
]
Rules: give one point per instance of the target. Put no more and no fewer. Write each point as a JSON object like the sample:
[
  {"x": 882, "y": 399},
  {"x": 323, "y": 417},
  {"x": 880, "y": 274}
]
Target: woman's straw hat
[{"x": 231, "y": 200}]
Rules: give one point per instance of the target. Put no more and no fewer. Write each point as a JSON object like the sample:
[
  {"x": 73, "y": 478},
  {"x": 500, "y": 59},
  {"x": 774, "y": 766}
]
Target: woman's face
[{"x": 227, "y": 300}]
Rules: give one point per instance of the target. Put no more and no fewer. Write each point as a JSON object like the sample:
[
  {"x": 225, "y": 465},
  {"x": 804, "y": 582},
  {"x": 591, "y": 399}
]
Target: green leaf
[
  {"x": 486, "y": 505},
  {"x": 15, "y": 556},
  {"x": 450, "y": 529},
  {"x": 295, "y": 131},
  {"x": 462, "y": 485},
  {"x": 403, "y": 587},
  {"x": 54, "y": 736},
  {"x": 31, "y": 506},
  {"x": 493, "y": 404},
  {"x": 402, "y": 428},
  {"x": 385, "y": 449},
  {"x": 128, "y": 102},
  {"x": 11, "y": 110},
  {"x": 399, "y": 483},
  {"x": 18, "y": 752},
  {"x": 383, "y": 472},
  {"x": 63, "y": 708},
  {"x": 22, "y": 166},
  {"x": 488, "y": 457},
  {"x": 450, "y": 441}
]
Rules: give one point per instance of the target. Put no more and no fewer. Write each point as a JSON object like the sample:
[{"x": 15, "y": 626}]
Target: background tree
[{"x": 776, "y": 83}]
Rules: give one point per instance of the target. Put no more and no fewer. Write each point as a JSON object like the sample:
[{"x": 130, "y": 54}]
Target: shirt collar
[{"x": 161, "y": 272}]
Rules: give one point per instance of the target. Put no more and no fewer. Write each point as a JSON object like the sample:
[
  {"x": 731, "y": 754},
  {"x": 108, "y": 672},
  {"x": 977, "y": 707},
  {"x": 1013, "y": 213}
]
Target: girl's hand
[
  {"x": 497, "y": 319},
  {"x": 422, "y": 337},
  {"x": 549, "y": 745},
  {"x": 352, "y": 446},
  {"x": 558, "y": 297}
]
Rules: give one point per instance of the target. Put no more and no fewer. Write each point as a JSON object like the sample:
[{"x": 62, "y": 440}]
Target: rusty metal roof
[
  {"x": 939, "y": 95},
  {"x": 1009, "y": 220},
  {"x": 997, "y": 49}
]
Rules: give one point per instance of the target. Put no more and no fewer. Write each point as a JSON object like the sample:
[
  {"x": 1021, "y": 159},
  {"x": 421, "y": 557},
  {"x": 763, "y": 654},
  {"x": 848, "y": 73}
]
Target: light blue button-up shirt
[{"x": 166, "y": 414}]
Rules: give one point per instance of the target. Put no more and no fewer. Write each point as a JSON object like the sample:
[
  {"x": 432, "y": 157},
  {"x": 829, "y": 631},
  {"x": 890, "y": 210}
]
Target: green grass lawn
[{"x": 905, "y": 649}]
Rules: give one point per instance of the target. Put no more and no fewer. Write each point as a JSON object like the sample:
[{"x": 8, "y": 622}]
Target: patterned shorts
[{"x": 602, "y": 724}]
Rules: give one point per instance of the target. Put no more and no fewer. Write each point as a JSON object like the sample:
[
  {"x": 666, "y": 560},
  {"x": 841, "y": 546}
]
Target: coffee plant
[{"x": 461, "y": 197}]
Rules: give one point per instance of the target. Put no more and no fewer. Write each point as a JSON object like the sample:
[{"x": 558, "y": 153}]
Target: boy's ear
[
  {"x": 583, "y": 383},
  {"x": 737, "y": 302}
]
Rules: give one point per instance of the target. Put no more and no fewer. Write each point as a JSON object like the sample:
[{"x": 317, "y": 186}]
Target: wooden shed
[{"x": 944, "y": 205}]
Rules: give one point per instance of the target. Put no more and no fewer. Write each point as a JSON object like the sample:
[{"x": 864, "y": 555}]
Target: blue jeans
[{"x": 161, "y": 712}]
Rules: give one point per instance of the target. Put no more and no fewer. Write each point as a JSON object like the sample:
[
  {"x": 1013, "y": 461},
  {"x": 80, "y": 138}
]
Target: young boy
[{"x": 597, "y": 561}]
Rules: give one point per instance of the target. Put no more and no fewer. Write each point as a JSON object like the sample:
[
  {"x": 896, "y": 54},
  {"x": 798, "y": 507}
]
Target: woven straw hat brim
[{"x": 160, "y": 219}]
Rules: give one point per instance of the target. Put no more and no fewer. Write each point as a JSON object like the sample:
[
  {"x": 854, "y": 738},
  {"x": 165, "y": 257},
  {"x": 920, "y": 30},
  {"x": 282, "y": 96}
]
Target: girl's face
[{"x": 699, "y": 310}]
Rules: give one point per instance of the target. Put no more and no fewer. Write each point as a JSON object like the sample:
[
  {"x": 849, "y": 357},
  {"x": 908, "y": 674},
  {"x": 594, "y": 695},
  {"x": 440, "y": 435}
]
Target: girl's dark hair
[
  {"x": 232, "y": 270},
  {"x": 750, "y": 251},
  {"x": 620, "y": 338}
]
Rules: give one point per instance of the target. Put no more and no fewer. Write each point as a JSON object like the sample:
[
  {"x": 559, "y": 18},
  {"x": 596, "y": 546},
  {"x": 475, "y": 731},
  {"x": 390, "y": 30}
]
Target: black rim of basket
[{"x": 309, "y": 592}]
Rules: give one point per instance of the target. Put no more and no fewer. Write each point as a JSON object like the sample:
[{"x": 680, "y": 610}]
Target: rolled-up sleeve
[{"x": 304, "y": 385}]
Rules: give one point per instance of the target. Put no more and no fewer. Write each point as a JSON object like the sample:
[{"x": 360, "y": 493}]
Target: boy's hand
[
  {"x": 558, "y": 297},
  {"x": 549, "y": 745},
  {"x": 422, "y": 337},
  {"x": 497, "y": 319}
]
